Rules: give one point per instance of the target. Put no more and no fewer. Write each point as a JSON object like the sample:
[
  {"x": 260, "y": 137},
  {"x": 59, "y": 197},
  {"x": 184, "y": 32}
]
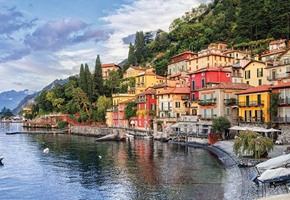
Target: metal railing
[
  {"x": 208, "y": 102},
  {"x": 278, "y": 76},
  {"x": 284, "y": 101},
  {"x": 230, "y": 102},
  {"x": 250, "y": 103}
]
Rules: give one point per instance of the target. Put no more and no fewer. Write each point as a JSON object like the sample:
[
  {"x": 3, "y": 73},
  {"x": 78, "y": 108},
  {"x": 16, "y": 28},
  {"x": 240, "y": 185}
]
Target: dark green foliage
[
  {"x": 89, "y": 81},
  {"x": 5, "y": 113},
  {"x": 98, "y": 81},
  {"x": 130, "y": 110},
  {"x": 82, "y": 79},
  {"x": 274, "y": 104},
  {"x": 220, "y": 124},
  {"x": 62, "y": 124}
]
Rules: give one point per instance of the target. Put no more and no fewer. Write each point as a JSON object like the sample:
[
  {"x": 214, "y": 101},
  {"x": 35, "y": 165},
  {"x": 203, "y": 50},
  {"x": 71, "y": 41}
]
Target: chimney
[{"x": 256, "y": 57}]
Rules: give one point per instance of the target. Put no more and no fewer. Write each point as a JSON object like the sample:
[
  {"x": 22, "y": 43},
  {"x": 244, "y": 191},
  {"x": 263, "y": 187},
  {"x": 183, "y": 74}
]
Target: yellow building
[
  {"x": 117, "y": 98},
  {"x": 134, "y": 71},
  {"x": 109, "y": 118},
  {"x": 147, "y": 79},
  {"x": 255, "y": 73},
  {"x": 254, "y": 104}
]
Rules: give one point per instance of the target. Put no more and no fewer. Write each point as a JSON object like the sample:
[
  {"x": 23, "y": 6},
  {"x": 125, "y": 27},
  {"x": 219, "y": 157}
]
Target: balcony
[
  {"x": 285, "y": 101},
  {"x": 166, "y": 109},
  {"x": 196, "y": 88},
  {"x": 208, "y": 102},
  {"x": 274, "y": 77},
  {"x": 207, "y": 117},
  {"x": 251, "y": 119},
  {"x": 140, "y": 85},
  {"x": 230, "y": 102},
  {"x": 282, "y": 120},
  {"x": 237, "y": 75},
  {"x": 251, "y": 103},
  {"x": 185, "y": 97},
  {"x": 141, "y": 100}
]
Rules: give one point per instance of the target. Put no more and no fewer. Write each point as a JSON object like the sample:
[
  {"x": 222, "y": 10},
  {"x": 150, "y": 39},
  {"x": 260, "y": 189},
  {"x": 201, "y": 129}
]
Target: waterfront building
[
  {"x": 109, "y": 67},
  {"x": 117, "y": 99},
  {"x": 283, "y": 112},
  {"x": 146, "y": 108},
  {"x": 220, "y": 100},
  {"x": 254, "y": 104}
]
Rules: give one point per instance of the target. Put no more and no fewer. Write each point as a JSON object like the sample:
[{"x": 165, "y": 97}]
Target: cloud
[
  {"x": 129, "y": 39},
  {"x": 12, "y": 20},
  {"x": 141, "y": 15},
  {"x": 57, "y": 35},
  {"x": 16, "y": 54}
]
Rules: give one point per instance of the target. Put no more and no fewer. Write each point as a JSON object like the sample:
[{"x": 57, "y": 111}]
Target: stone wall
[{"x": 90, "y": 131}]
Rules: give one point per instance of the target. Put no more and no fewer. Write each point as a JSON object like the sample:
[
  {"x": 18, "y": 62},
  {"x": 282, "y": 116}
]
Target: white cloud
[{"x": 142, "y": 15}]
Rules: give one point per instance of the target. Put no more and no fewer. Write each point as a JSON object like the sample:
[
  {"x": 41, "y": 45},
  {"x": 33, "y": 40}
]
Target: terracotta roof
[
  {"x": 229, "y": 85},
  {"x": 253, "y": 61},
  {"x": 261, "y": 88},
  {"x": 281, "y": 85},
  {"x": 210, "y": 69},
  {"x": 175, "y": 91},
  {"x": 277, "y": 41},
  {"x": 109, "y": 65},
  {"x": 127, "y": 101},
  {"x": 148, "y": 91},
  {"x": 190, "y": 52},
  {"x": 277, "y": 51}
]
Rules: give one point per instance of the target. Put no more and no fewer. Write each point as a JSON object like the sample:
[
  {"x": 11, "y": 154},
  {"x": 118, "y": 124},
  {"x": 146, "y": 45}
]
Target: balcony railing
[
  {"x": 230, "y": 102},
  {"x": 237, "y": 75},
  {"x": 251, "y": 103},
  {"x": 208, "y": 102},
  {"x": 278, "y": 76},
  {"x": 285, "y": 101},
  {"x": 165, "y": 109},
  {"x": 251, "y": 119},
  {"x": 141, "y": 100},
  {"x": 281, "y": 120},
  {"x": 209, "y": 116}
]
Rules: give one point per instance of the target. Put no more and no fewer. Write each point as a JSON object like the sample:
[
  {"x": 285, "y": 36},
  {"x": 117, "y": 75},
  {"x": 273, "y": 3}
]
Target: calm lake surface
[{"x": 80, "y": 168}]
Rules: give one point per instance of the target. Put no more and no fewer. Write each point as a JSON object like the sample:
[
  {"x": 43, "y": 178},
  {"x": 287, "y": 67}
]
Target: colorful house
[
  {"x": 133, "y": 71},
  {"x": 117, "y": 99},
  {"x": 212, "y": 57},
  {"x": 220, "y": 100},
  {"x": 283, "y": 112},
  {"x": 147, "y": 79},
  {"x": 178, "y": 63},
  {"x": 280, "y": 70},
  {"x": 109, "y": 67},
  {"x": 201, "y": 78},
  {"x": 255, "y": 73},
  {"x": 254, "y": 104},
  {"x": 146, "y": 108}
]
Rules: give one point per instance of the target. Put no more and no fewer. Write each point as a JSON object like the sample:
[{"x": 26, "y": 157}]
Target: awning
[{"x": 239, "y": 128}]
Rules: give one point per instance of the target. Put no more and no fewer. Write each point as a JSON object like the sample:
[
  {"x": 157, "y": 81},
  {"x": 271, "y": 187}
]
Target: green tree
[
  {"x": 98, "y": 81},
  {"x": 130, "y": 110},
  {"x": 250, "y": 142},
  {"x": 113, "y": 80},
  {"x": 139, "y": 47},
  {"x": 220, "y": 125},
  {"x": 89, "y": 82},
  {"x": 82, "y": 79}
]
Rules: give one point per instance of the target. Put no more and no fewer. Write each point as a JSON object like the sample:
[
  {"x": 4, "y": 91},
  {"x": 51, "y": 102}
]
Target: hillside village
[{"x": 216, "y": 81}]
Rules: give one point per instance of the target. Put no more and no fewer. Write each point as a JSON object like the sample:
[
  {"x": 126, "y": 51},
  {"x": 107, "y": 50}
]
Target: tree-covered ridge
[{"x": 242, "y": 24}]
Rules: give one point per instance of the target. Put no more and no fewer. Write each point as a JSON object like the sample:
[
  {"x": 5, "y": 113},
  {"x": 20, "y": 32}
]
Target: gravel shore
[{"x": 237, "y": 185}]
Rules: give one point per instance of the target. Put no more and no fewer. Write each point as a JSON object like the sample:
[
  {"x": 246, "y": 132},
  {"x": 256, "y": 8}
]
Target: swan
[
  {"x": 46, "y": 150},
  {"x": 100, "y": 157}
]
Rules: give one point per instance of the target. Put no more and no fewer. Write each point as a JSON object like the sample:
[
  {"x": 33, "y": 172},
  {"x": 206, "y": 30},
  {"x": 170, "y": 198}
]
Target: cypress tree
[
  {"x": 89, "y": 82},
  {"x": 98, "y": 81},
  {"x": 139, "y": 47},
  {"x": 131, "y": 58},
  {"x": 82, "y": 79}
]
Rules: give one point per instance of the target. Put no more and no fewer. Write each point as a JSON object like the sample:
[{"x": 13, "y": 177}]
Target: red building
[
  {"x": 201, "y": 78},
  {"x": 146, "y": 108}
]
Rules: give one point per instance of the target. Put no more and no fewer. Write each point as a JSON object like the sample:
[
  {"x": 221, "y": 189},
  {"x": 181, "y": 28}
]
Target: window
[
  {"x": 260, "y": 82},
  {"x": 247, "y": 74},
  {"x": 228, "y": 75},
  {"x": 228, "y": 111},
  {"x": 211, "y": 112},
  {"x": 177, "y": 104},
  {"x": 260, "y": 72},
  {"x": 168, "y": 96},
  {"x": 193, "y": 97},
  {"x": 193, "y": 85},
  {"x": 248, "y": 82},
  {"x": 227, "y": 95},
  {"x": 202, "y": 82},
  {"x": 259, "y": 99}
]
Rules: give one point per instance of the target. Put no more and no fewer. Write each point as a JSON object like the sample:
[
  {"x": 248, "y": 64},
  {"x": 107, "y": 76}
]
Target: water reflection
[{"x": 81, "y": 168}]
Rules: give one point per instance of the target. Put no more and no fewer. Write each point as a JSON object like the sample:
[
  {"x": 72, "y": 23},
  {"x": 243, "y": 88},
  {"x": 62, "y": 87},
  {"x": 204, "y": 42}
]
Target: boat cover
[
  {"x": 274, "y": 175},
  {"x": 272, "y": 163}
]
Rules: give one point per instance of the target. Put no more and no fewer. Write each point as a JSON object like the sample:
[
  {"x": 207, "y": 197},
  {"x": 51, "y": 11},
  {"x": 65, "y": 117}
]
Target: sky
[{"x": 42, "y": 40}]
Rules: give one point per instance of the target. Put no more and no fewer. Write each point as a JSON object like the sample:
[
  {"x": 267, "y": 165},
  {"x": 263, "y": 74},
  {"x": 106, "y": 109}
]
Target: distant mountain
[
  {"x": 10, "y": 99},
  {"x": 30, "y": 98}
]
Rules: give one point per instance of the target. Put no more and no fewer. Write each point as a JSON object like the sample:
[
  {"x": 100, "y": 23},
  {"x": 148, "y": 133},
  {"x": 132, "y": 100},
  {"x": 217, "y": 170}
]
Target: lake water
[{"x": 80, "y": 168}]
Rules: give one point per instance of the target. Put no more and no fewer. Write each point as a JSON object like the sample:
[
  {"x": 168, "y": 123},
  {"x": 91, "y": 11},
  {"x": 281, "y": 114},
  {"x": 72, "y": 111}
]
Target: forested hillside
[{"x": 243, "y": 24}]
